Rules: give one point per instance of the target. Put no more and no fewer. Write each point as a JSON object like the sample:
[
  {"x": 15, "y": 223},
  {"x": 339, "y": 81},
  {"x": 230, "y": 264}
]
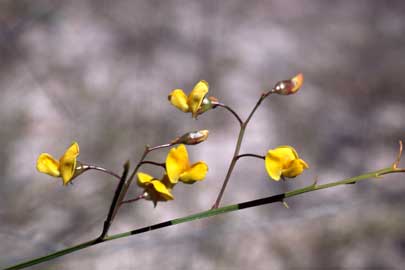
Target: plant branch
[
  {"x": 231, "y": 111},
  {"x": 142, "y": 196},
  {"x": 154, "y": 163},
  {"x": 213, "y": 212},
  {"x": 250, "y": 155},
  {"x": 115, "y": 201},
  {"x": 97, "y": 168},
  {"x": 237, "y": 149},
  {"x": 123, "y": 186}
]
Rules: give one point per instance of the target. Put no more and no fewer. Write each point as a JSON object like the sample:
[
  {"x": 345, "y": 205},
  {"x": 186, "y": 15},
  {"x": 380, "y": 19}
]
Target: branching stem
[
  {"x": 123, "y": 187},
  {"x": 237, "y": 147}
]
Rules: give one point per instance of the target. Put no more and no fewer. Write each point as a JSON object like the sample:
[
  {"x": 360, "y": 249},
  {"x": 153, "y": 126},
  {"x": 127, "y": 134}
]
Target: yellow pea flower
[
  {"x": 283, "y": 161},
  {"x": 193, "y": 101},
  {"x": 179, "y": 168},
  {"x": 64, "y": 168},
  {"x": 156, "y": 190}
]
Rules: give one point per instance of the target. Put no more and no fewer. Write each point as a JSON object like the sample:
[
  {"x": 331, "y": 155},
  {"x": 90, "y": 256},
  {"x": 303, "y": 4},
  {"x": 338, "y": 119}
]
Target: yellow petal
[
  {"x": 163, "y": 191},
  {"x": 296, "y": 168},
  {"x": 278, "y": 159},
  {"x": 177, "y": 162},
  {"x": 47, "y": 164},
  {"x": 273, "y": 166},
  {"x": 286, "y": 150},
  {"x": 179, "y": 100},
  {"x": 68, "y": 163},
  {"x": 144, "y": 179},
  {"x": 197, "y": 172},
  {"x": 166, "y": 181},
  {"x": 298, "y": 80},
  {"x": 196, "y": 96}
]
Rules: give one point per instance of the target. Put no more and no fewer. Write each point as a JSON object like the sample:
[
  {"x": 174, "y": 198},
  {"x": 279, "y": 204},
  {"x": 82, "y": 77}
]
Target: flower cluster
[
  {"x": 280, "y": 163},
  {"x": 178, "y": 168}
]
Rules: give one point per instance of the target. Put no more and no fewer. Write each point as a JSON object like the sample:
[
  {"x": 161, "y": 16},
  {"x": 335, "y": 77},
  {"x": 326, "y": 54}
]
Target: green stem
[
  {"x": 213, "y": 212},
  {"x": 231, "y": 166}
]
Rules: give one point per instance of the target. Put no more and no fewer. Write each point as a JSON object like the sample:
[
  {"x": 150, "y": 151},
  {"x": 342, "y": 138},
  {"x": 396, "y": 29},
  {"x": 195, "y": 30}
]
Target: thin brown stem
[
  {"x": 250, "y": 155},
  {"x": 142, "y": 196},
  {"x": 231, "y": 111},
  {"x": 115, "y": 201},
  {"x": 97, "y": 168},
  {"x": 163, "y": 165},
  {"x": 123, "y": 187},
  {"x": 150, "y": 149},
  {"x": 237, "y": 149}
]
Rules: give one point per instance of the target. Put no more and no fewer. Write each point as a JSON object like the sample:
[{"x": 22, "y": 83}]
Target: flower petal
[
  {"x": 296, "y": 167},
  {"x": 287, "y": 151},
  {"x": 68, "y": 163},
  {"x": 298, "y": 80},
  {"x": 166, "y": 181},
  {"x": 284, "y": 161},
  {"x": 196, "y": 172},
  {"x": 196, "y": 96},
  {"x": 163, "y": 191},
  {"x": 47, "y": 164},
  {"x": 273, "y": 166},
  {"x": 144, "y": 179},
  {"x": 179, "y": 100},
  {"x": 177, "y": 162}
]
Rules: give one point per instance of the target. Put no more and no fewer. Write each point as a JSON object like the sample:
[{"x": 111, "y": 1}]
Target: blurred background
[{"x": 99, "y": 72}]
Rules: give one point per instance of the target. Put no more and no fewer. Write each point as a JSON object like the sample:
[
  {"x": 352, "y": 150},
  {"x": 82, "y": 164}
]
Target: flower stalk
[
  {"x": 123, "y": 187},
  {"x": 238, "y": 145}
]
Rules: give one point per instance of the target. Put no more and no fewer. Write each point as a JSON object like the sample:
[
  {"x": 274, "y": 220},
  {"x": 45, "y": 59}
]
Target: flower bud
[
  {"x": 207, "y": 104},
  {"x": 191, "y": 138},
  {"x": 289, "y": 87}
]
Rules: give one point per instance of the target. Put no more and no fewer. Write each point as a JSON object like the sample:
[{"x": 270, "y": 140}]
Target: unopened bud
[
  {"x": 191, "y": 138},
  {"x": 289, "y": 87}
]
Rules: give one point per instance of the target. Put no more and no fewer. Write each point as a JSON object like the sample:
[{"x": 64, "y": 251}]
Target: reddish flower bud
[{"x": 289, "y": 87}]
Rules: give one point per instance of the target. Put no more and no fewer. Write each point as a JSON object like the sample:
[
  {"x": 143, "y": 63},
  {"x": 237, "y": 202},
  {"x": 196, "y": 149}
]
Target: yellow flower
[
  {"x": 156, "y": 190},
  {"x": 283, "y": 161},
  {"x": 194, "y": 100},
  {"x": 64, "y": 168},
  {"x": 179, "y": 168}
]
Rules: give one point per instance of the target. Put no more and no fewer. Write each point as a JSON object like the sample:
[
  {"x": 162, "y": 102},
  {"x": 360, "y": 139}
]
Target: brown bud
[
  {"x": 191, "y": 138},
  {"x": 289, "y": 87}
]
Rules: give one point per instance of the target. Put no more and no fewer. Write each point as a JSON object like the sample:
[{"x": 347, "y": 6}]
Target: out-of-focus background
[{"x": 99, "y": 72}]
